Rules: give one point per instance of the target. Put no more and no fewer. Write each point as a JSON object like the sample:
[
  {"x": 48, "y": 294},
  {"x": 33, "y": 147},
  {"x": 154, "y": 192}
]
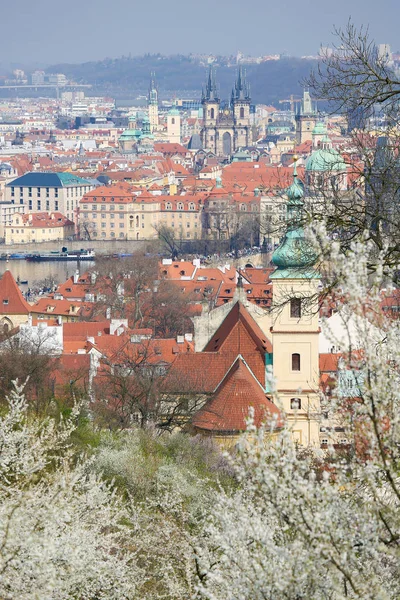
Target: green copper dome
[
  {"x": 174, "y": 112},
  {"x": 325, "y": 159},
  {"x": 319, "y": 129},
  {"x": 294, "y": 252},
  {"x": 295, "y": 192}
]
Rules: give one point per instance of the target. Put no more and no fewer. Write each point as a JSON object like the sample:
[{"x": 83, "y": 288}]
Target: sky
[{"x": 53, "y": 31}]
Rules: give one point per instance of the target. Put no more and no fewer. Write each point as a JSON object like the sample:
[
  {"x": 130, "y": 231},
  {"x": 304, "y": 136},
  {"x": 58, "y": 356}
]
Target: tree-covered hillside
[{"x": 270, "y": 81}]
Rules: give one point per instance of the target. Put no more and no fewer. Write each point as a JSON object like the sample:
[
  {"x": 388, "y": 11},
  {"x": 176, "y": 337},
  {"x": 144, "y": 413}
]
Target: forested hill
[{"x": 270, "y": 81}]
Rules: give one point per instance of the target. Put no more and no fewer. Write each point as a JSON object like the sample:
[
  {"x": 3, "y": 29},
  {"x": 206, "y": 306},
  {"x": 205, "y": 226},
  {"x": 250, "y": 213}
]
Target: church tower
[
  {"x": 210, "y": 102},
  {"x": 305, "y": 119},
  {"x": 295, "y": 330},
  {"x": 241, "y": 110},
  {"x": 153, "y": 103},
  {"x": 174, "y": 126}
]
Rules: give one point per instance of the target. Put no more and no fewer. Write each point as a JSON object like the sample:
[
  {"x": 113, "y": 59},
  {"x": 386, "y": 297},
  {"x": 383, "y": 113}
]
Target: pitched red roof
[
  {"x": 227, "y": 410},
  {"x": 12, "y": 301}
]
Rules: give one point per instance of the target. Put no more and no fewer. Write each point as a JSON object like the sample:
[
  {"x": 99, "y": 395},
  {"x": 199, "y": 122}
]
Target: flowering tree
[
  {"x": 61, "y": 533},
  {"x": 317, "y": 524}
]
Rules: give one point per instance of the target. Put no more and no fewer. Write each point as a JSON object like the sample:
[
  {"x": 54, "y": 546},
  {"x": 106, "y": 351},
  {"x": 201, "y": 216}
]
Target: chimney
[
  {"x": 189, "y": 337},
  {"x": 76, "y": 276},
  {"x": 180, "y": 339}
]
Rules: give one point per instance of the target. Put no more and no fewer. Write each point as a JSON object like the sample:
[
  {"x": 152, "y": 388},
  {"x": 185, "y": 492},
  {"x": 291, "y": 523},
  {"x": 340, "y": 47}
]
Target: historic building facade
[{"x": 226, "y": 130}]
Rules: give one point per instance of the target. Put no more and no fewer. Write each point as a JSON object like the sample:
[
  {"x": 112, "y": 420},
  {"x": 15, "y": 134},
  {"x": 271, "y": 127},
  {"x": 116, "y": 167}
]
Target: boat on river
[{"x": 75, "y": 255}]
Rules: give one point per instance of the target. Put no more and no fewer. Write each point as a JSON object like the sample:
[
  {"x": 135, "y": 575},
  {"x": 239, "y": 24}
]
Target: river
[{"x": 38, "y": 271}]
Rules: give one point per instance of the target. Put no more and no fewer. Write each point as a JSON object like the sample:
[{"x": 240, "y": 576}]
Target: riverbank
[{"x": 100, "y": 246}]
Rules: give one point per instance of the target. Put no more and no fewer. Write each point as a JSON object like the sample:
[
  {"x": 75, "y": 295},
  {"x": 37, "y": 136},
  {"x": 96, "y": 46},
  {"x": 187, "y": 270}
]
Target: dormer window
[
  {"x": 5, "y": 301},
  {"x": 168, "y": 206},
  {"x": 191, "y": 206},
  {"x": 180, "y": 206}
]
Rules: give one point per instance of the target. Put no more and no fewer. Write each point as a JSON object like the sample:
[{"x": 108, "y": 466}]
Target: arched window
[
  {"x": 295, "y": 403},
  {"x": 191, "y": 206},
  {"x": 212, "y": 113},
  {"x": 180, "y": 206},
  {"x": 243, "y": 207},
  {"x": 295, "y": 308},
  {"x": 173, "y": 121},
  {"x": 137, "y": 220},
  {"x": 168, "y": 206},
  {"x": 241, "y": 112},
  {"x": 295, "y": 362}
]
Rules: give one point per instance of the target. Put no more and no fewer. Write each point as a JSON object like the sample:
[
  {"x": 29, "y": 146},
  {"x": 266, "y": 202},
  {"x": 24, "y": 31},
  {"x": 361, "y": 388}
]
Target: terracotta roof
[
  {"x": 227, "y": 410},
  {"x": 12, "y": 301}
]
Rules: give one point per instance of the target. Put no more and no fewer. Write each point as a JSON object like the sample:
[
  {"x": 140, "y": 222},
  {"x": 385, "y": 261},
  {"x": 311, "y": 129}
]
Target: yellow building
[
  {"x": 38, "y": 227},
  {"x": 183, "y": 215},
  {"x": 115, "y": 212}
]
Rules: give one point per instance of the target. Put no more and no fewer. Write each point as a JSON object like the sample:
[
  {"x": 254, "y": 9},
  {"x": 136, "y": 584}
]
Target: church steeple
[
  {"x": 211, "y": 87},
  {"x": 295, "y": 253},
  {"x": 153, "y": 92},
  {"x": 153, "y": 102},
  {"x": 241, "y": 90}
]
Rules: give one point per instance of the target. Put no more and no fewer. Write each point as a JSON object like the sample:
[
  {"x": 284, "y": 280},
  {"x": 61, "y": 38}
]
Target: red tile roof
[
  {"x": 12, "y": 301},
  {"x": 227, "y": 410}
]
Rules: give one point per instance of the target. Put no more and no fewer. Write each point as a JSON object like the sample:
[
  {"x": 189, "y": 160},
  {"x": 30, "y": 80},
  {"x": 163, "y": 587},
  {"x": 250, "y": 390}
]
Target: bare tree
[{"x": 361, "y": 83}]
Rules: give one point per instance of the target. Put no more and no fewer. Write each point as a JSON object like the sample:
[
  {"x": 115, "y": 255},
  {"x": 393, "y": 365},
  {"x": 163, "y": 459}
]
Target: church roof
[
  {"x": 12, "y": 301},
  {"x": 325, "y": 159},
  {"x": 227, "y": 410}
]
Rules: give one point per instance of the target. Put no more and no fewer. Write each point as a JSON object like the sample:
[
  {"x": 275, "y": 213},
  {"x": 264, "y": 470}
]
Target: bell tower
[
  {"x": 241, "y": 110},
  {"x": 210, "y": 102},
  {"x": 153, "y": 103},
  {"x": 305, "y": 119},
  {"x": 295, "y": 330}
]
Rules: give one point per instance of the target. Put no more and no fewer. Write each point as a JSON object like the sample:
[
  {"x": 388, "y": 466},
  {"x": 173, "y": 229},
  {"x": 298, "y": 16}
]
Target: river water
[{"x": 33, "y": 272}]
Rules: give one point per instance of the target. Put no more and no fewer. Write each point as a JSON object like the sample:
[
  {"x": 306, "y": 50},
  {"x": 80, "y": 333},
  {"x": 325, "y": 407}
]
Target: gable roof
[
  {"x": 238, "y": 314},
  {"x": 12, "y": 301},
  {"x": 227, "y": 410}
]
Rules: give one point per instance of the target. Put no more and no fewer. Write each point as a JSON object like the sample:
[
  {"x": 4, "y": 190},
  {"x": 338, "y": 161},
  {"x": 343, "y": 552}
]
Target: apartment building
[
  {"x": 116, "y": 212},
  {"x": 50, "y": 192}
]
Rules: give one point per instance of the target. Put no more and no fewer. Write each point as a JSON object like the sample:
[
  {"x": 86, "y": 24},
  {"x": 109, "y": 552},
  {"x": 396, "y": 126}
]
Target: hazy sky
[{"x": 51, "y": 31}]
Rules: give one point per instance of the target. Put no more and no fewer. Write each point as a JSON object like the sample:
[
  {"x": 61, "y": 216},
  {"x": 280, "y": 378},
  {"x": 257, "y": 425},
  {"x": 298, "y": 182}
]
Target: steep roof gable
[
  {"x": 227, "y": 410},
  {"x": 12, "y": 301}
]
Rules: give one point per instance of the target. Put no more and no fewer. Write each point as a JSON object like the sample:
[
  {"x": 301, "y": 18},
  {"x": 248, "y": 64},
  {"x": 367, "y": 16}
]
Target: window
[
  {"x": 295, "y": 403},
  {"x": 38, "y": 192},
  {"x": 180, "y": 206},
  {"x": 47, "y": 192},
  {"x": 47, "y": 204},
  {"x": 241, "y": 112},
  {"x": 295, "y": 308},
  {"x": 56, "y": 205},
  {"x": 295, "y": 362},
  {"x": 39, "y": 205},
  {"x": 191, "y": 206},
  {"x": 12, "y": 191},
  {"x": 56, "y": 193},
  {"x": 168, "y": 206},
  {"x": 30, "y": 192},
  {"x": 30, "y": 204},
  {"x": 212, "y": 113},
  {"x": 172, "y": 121}
]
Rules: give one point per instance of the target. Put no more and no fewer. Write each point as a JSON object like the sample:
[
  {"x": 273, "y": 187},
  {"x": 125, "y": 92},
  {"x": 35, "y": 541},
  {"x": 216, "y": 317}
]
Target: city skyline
[{"x": 222, "y": 28}]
